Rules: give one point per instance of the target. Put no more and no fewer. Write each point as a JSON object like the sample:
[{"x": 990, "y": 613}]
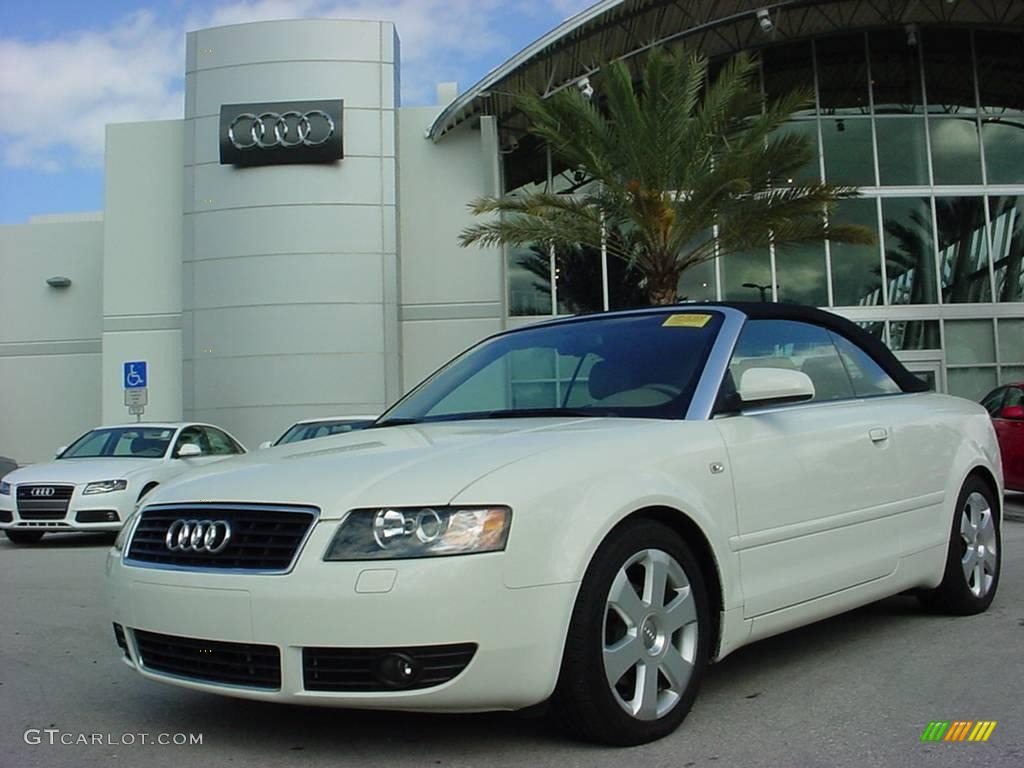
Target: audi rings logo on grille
[
  {"x": 203, "y": 536},
  {"x": 281, "y": 132},
  {"x": 287, "y": 129},
  {"x": 42, "y": 492}
]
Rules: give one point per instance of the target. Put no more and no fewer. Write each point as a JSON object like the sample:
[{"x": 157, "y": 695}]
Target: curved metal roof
[{"x": 620, "y": 29}]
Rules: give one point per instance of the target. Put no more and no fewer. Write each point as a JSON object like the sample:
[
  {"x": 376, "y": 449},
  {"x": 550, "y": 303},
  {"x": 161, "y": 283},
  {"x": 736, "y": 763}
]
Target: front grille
[
  {"x": 263, "y": 538},
  {"x": 253, "y": 666},
  {"x": 366, "y": 669},
  {"x": 44, "y": 502}
]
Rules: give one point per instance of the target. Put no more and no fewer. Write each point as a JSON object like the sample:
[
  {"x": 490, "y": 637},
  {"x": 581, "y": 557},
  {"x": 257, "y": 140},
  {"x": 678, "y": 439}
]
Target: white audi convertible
[{"x": 584, "y": 512}]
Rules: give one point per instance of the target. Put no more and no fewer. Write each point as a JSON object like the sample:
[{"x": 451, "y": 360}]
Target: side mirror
[
  {"x": 774, "y": 386},
  {"x": 266, "y": 444},
  {"x": 189, "y": 451},
  {"x": 60, "y": 451},
  {"x": 1012, "y": 413}
]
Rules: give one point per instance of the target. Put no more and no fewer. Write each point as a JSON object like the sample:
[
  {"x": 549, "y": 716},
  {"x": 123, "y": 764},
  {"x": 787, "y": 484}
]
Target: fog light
[{"x": 398, "y": 670}]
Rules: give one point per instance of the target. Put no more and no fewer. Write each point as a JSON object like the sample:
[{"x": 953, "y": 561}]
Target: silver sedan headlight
[
  {"x": 104, "y": 486},
  {"x": 401, "y": 533}
]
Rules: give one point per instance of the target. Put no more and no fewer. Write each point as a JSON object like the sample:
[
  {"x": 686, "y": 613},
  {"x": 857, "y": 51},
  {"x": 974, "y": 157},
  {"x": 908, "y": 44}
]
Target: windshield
[
  {"x": 299, "y": 432},
  {"x": 123, "y": 442},
  {"x": 635, "y": 366}
]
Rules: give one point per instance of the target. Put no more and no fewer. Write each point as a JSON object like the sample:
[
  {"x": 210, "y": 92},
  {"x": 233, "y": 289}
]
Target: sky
[{"x": 67, "y": 68}]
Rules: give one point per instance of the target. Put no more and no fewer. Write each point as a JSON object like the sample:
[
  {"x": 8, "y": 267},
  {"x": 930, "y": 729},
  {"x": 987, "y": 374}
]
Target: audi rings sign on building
[
  {"x": 273, "y": 133},
  {"x": 202, "y": 536}
]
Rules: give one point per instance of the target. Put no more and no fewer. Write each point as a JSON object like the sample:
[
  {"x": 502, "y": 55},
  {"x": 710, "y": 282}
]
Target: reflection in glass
[
  {"x": 1007, "y": 216},
  {"x": 914, "y": 334},
  {"x": 1000, "y": 71},
  {"x": 963, "y": 249},
  {"x": 529, "y": 281},
  {"x": 909, "y": 250},
  {"x": 902, "y": 151},
  {"x": 948, "y": 71},
  {"x": 698, "y": 283},
  {"x": 972, "y": 383},
  {"x": 1004, "y": 150},
  {"x": 857, "y": 269},
  {"x": 956, "y": 155},
  {"x": 970, "y": 341},
  {"x": 753, "y": 268},
  {"x": 786, "y": 68},
  {"x": 1011, "y": 341},
  {"x": 578, "y": 280},
  {"x": 1012, "y": 374},
  {"x": 875, "y": 328},
  {"x": 895, "y": 73},
  {"x": 842, "y": 75},
  {"x": 849, "y": 159},
  {"x": 626, "y": 285},
  {"x": 801, "y": 275},
  {"x": 809, "y": 130}
]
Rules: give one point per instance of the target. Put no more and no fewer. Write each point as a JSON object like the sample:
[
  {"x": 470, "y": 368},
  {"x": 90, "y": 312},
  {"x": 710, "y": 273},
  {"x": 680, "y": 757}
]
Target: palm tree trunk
[{"x": 663, "y": 288}]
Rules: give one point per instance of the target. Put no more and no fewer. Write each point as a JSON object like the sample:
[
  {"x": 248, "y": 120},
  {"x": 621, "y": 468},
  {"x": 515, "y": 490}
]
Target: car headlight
[
  {"x": 397, "y": 534},
  {"x": 126, "y": 530},
  {"x": 5, "y": 488},
  {"x": 105, "y": 486}
]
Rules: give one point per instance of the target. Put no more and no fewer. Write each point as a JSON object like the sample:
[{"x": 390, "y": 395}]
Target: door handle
[{"x": 878, "y": 434}]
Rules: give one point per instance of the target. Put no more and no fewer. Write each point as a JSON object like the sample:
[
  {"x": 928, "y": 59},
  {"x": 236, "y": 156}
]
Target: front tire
[
  {"x": 638, "y": 641},
  {"x": 23, "y": 537},
  {"x": 974, "y": 556}
]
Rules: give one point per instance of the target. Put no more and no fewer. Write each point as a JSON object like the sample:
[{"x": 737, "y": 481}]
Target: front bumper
[
  {"x": 518, "y": 633},
  {"x": 96, "y": 512}
]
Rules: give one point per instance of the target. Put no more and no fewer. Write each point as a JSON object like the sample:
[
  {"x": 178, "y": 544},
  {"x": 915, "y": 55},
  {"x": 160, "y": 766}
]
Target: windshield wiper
[
  {"x": 393, "y": 423},
  {"x": 527, "y": 413}
]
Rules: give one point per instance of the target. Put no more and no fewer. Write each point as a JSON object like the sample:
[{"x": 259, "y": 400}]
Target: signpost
[{"x": 136, "y": 389}]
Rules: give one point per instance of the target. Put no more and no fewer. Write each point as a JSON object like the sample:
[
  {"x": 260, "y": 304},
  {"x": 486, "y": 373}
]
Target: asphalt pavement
[{"x": 856, "y": 690}]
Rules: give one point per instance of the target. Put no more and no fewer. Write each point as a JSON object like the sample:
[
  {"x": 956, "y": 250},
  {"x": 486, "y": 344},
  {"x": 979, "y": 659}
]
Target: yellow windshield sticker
[{"x": 686, "y": 321}]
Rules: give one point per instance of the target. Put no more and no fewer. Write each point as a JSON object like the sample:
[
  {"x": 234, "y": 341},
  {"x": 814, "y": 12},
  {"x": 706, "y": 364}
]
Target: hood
[
  {"x": 422, "y": 464},
  {"x": 80, "y": 471}
]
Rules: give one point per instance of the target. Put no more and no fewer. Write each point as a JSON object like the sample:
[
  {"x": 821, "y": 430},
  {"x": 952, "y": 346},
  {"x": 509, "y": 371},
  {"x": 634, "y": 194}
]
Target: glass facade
[{"x": 929, "y": 123}]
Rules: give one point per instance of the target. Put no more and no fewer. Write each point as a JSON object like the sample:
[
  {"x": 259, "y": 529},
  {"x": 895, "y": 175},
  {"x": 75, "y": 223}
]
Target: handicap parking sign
[{"x": 135, "y": 374}]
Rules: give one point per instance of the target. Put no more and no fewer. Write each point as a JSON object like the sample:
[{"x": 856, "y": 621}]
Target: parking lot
[{"x": 855, "y": 690}]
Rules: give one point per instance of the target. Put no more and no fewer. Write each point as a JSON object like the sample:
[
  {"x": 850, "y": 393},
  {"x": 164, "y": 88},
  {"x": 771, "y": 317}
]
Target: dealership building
[{"x": 289, "y": 248}]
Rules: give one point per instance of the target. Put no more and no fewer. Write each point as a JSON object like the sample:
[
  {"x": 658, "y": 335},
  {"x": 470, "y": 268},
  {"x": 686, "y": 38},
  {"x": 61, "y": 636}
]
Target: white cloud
[{"x": 66, "y": 89}]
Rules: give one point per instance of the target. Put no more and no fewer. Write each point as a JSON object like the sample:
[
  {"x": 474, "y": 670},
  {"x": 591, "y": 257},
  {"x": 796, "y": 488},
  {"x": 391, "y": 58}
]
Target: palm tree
[{"x": 671, "y": 157}]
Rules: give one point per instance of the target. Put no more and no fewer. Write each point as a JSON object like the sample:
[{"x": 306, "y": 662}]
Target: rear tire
[
  {"x": 638, "y": 641},
  {"x": 23, "y": 537},
  {"x": 974, "y": 555}
]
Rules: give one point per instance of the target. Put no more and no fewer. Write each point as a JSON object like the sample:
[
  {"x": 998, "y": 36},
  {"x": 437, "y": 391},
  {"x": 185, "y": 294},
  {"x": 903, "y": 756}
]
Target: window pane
[
  {"x": 842, "y": 75},
  {"x": 1012, "y": 374},
  {"x": 970, "y": 341},
  {"x": 909, "y": 254},
  {"x": 746, "y": 276},
  {"x": 902, "y": 151},
  {"x": 578, "y": 280},
  {"x": 626, "y": 285},
  {"x": 963, "y": 250},
  {"x": 848, "y": 155},
  {"x": 867, "y": 376},
  {"x": 1000, "y": 71},
  {"x": 914, "y": 334},
  {"x": 857, "y": 269},
  {"x": 698, "y": 283},
  {"x": 529, "y": 281},
  {"x": 1011, "y": 341},
  {"x": 876, "y": 329},
  {"x": 948, "y": 71},
  {"x": 971, "y": 383},
  {"x": 809, "y": 130},
  {"x": 1004, "y": 150},
  {"x": 1007, "y": 215},
  {"x": 786, "y": 68},
  {"x": 956, "y": 155},
  {"x": 895, "y": 73},
  {"x": 801, "y": 275}
]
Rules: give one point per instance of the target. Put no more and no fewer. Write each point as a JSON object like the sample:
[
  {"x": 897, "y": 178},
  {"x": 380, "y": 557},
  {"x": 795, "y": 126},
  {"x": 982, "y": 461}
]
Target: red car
[{"x": 1006, "y": 405}]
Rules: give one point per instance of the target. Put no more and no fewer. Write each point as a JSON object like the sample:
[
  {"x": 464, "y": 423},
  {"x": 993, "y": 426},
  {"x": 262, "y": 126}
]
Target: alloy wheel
[{"x": 978, "y": 533}]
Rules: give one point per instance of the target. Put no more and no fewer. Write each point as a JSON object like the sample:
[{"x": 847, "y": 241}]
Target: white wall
[
  {"x": 142, "y": 271},
  {"x": 49, "y": 337},
  {"x": 451, "y": 296}
]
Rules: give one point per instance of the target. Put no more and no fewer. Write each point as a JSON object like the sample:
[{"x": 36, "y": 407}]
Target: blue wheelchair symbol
[{"x": 135, "y": 375}]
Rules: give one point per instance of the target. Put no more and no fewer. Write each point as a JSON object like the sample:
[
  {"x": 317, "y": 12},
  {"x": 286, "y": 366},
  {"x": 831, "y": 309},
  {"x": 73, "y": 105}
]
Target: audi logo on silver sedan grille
[
  {"x": 206, "y": 536},
  {"x": 46, "y": 492}
]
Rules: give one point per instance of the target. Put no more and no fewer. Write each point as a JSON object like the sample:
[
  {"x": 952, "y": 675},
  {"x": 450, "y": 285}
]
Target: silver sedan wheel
[
  {"x": 650, "y": 634},
  {"x": 978, "y": 531}
]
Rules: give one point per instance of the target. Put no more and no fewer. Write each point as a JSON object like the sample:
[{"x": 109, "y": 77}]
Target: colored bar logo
[{"x": 958, "y": 730}]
